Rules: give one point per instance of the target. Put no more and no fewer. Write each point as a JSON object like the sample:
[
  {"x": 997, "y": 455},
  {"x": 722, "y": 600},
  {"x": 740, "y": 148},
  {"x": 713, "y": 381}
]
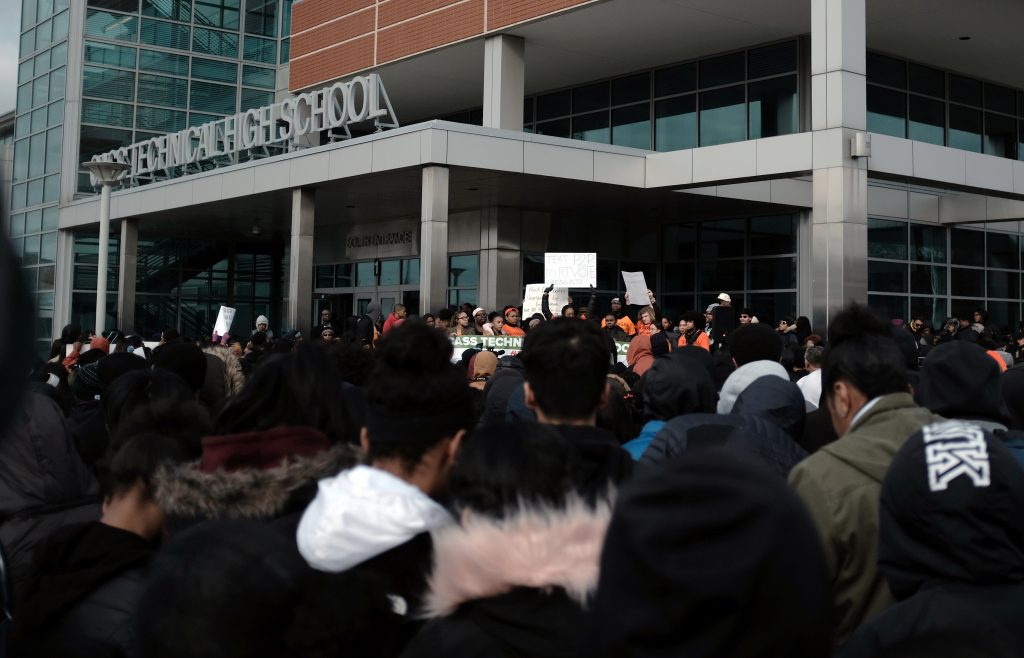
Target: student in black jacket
[{"x": 951, "y": 544}]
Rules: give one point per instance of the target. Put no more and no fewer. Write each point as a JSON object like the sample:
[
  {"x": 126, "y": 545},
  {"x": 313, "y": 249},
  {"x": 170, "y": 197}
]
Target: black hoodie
[
  {"x": 711, "y": 555},
  {"x": 951, "y": 542}
]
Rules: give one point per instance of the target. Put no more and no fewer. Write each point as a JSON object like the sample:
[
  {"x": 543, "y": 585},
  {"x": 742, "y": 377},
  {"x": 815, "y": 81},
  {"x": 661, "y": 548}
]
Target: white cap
[
  {"x": 724, "y": 297},
  {"x": 261, "y": 319}
]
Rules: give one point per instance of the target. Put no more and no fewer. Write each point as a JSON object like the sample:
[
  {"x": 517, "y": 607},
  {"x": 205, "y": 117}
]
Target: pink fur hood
[{"x": 537, "y": 548}]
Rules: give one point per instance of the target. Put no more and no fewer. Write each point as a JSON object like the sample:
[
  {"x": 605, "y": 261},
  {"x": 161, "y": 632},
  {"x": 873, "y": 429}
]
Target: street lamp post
[{"x": 106, "y": 174}]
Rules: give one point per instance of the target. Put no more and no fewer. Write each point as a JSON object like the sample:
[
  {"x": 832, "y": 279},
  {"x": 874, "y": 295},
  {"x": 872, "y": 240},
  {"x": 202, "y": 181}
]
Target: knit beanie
[
  {"x": 185, "y": 360},
  {"x": 959, "y": 380}
]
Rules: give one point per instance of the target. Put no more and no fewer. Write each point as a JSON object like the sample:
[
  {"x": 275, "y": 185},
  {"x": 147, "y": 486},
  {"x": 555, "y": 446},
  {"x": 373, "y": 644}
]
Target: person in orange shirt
[
  {"x": 645, "y": 322},
  {"x": 623, "y": 320},
  {"x": 690, "y": 333},
  {"x": 511, "y": 326}
]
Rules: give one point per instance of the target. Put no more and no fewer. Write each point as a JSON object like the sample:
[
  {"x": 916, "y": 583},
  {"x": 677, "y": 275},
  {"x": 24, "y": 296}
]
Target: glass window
[
  {"x": 214, "y": 69},
  {"x": 1003, "y": 314},
  {"x": 109, "y": 54},
  {"x": 411, "y": 271},
  {"x": 553, "y": 105},
  {"x": 22, "y": 125},
  {"x": 887, "y": 239},
  {"x": 633, "y": 89},
  {"x": 967, "y": 283},
  {"x": 40, "y": 91},
  {"x": 44, "y": 34},
  {"x": 1000, "y": 99},
  {"x": 324, "y": 276},
  {"x": 57, "y": 79},
  {"x": 965, "y": 128},
  {"x": 772, "y": 107},
  {"x": 721, "y": 275},
  {"x": 592, "y": 127},
  {"x": 51, "y": 188},
  {"x": 722, "y": 70},
  {"x": 887, "y": 111},
  {"x": 631, "y": 126},
  {"x": 1020, "y": 140},
  {"x": 218, "y": 13},
  {"x": 37, "y": 154},
  {"x": 390, "y": 272},
  {"x": 28, "y": 13},
  {"x": 927, "y": 243},
  {"x": 723, "y": 239},
  {"x": 54, "y": 144},
  {"x": 17, "y": 226},
  {"x": 158, "y": 119},
  {"x": 107, "y": 113},
  {"x": 33, "y": 221},
  {"x": 38, "y": 119},
  {"x": 42, "y": 62},
  {"x": 31, "y": 253},
  {"x": 768, "y": 273},
  {"x": 590, "y": 98},
  {"x": 1000, "y": 135},
  {"x": 722, "y": 116},
  {"x": 209, "y": 97},
  {"x": 924, "y": 80},
  {"x": 108, "y": 83},
  {"x": 285, "y": 51},
  {"x": 463, "y": 271},
  {"x": 25, "y": 69},
  {"x": 51, "y": 216},
  {"x": 968, "y": 247},
  {"x": 260, "y": 50},
  {"x": 21, "y": 159},
  {"x": 929, "y": 308},
  {"x": 771, "y": 60},
  {"x": 60, "y": 26},
  {"x": 173, "y": 10},
  {"x": 884, "y": 276},
  {"x": 927, "y": 120},
  {"x": 887, "y": 71},
  {"x": 59, "y": 54},
  {"x": 927, "y": 279},
  {"x": 1004, "y": 284},
  {"x": 161, "y": 90},
  {"x": 888, "y": 307},
  {"x": 116, "y": 5},
  {"x": 154, "y": 60},
  {"x": 261, "y": 17},
  {"x": 1002, "y": 250},
  {"x": 257, "y": 76},
  {"x": 110, "y": 26},
  {"x": 677, "y": 277},
  {"x": 214, "y": 42},
  {"x": 96, "y": 140},
  {"x": 255, "y": 98},
  {"x": 164, "y": 34},
  {"x": 773, "y": 235},
  {"x": 24, "y": 97},
  {"x": 675, "y": 123},
  {"x": 675, "y": 80},
  {"x": 964, "y": 90},
  {"x": 680, "y": 242},
  {"x": 772, "y": 306}
]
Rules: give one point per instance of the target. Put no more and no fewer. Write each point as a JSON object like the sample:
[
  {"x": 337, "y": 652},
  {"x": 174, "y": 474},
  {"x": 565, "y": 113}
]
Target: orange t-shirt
[
  {"x": 625, "y": 324},
  {"x": 509, "y": 330},
  {"x": 701, "y": 341}
]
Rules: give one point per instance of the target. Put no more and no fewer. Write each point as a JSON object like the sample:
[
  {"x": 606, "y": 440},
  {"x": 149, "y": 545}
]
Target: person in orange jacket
[
  {"x": 690, "y": 333},
  {"x": 623, "y": 321}
]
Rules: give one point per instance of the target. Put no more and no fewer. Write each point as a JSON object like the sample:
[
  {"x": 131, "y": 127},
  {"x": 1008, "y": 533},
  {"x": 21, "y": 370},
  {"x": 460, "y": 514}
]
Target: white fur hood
[
  {"x": 540, "y": 549},
  {"x": 361, "y": 513}
]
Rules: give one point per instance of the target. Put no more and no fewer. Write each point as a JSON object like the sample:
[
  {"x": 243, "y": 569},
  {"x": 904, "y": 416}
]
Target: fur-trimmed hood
[
  {"x": 247, "y": 493},
  {"x": 535, "y": 548}
]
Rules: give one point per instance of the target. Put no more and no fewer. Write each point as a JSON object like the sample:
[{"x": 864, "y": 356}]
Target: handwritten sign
[
  {"x": 532, "y": 300},
  {"x": 570, "y": 270},
  {"x": 225, "y": 317}
]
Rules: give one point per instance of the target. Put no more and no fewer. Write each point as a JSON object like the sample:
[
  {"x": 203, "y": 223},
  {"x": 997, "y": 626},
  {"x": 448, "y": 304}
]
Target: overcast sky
[{"x": 9, "y": 53}]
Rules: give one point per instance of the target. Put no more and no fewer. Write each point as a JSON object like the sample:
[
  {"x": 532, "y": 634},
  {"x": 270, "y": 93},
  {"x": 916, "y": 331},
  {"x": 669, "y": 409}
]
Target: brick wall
[{"x": 336, "y": 38}]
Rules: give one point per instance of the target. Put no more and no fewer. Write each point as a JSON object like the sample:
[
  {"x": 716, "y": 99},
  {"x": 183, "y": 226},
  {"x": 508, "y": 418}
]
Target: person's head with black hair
[
  {"x": 503, "y": 467},
  {"x": 297, "y": 389},
  {"x": 282, "y": 346},
  {"x": 754, "y": 342},
  {"x": 419, "y": 407},
  {"x": 353, "y": 364},
  {"x": 128, "y": 482},
  {"x": 861, "y": 362},
  {"x": 258, "y": 339},
  {"x": 152, "y": 398},
  {"x": 568, "y": 311},
  {"x": 169, "y": 335},
  {"x": 444, "y": 317},
  {"x": 566, "y": 363},
  {"x": 429, "y": 320}
]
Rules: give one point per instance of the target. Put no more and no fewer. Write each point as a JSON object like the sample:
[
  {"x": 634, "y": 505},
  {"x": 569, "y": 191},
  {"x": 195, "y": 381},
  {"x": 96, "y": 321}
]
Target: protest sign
[
  {"x": 636, "y": 288},
  {"x": 570, "y": 270},
  {"x": 225, "y": 317},
  {"x": 532, "y": 300}
]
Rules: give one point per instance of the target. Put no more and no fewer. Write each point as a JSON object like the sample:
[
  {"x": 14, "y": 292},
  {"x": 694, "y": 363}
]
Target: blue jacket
[{"x": 637, "y": 446}]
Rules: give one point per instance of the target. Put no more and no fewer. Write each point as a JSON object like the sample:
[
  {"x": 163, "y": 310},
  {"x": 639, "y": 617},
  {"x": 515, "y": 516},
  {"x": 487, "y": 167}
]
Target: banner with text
[{"x": 506, "y": 344}]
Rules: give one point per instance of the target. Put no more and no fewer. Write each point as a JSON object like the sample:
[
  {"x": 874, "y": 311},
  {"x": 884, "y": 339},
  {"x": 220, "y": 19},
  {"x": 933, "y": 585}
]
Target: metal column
[
  {"x": 129, "y": 248},
  {"x": 434, "y": 240},
  {"x": 300, "y": 261}
]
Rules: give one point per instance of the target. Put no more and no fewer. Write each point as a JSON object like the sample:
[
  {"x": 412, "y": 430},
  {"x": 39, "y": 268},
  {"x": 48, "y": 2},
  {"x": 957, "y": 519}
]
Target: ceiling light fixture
[{"x": 964, "y": 38}]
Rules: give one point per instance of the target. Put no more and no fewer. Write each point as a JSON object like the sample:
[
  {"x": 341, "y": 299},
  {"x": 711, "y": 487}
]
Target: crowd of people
[{"x": 359, "y": 491}]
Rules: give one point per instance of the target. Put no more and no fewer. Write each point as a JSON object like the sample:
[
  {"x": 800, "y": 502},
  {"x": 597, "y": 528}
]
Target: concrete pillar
[
  {"x": 300, "y": 261},
  {"x": 504, "y": 82},
  {"x": 838, "y": 112},
  {"x": 129, "y": 252},
  {"x": 501, "y": 260},
  {"x": 434, "y": 240},
  {"x": 62, "y": 280}
]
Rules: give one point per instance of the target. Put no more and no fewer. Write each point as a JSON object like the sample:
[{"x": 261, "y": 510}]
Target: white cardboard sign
[
  {"x": 533, "y": 301},
  {"x": 570, "y": 270},
  {"x": 636, "y": 288},
  {"x": 225, "y": 317}
]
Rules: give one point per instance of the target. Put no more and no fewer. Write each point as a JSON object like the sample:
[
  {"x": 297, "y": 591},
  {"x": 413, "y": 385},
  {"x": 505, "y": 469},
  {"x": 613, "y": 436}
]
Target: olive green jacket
[{"x": 841, "y": 485}]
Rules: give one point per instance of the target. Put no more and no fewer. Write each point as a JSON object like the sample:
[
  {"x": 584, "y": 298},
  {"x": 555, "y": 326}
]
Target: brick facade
[{"x": 335, "y": 38}]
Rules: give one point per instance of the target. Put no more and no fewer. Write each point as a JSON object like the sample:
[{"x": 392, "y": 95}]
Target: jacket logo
[{"x": 952, "y": 449}]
